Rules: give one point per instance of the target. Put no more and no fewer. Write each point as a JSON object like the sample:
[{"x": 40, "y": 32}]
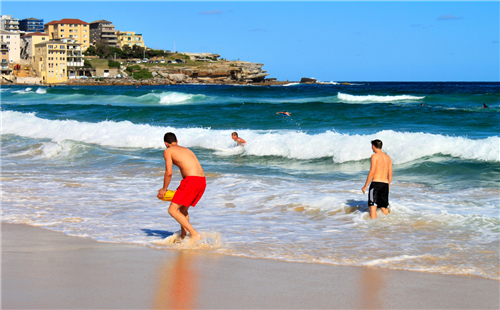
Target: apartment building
[
  {"x": 103, "y": 31},
  {"x": 51, "y": 61},
  {"x": 69, "y": 28},
  {"x": 31, "y": 25},
  {"x": 4, "y": 58},
  {"x": 28, "y": 42},
  {"x": 8, "y": 23},
  {"x": 129, "y": 38},
  {"x": 74, "y": 58},
  {"x": 13, "y": 41}
]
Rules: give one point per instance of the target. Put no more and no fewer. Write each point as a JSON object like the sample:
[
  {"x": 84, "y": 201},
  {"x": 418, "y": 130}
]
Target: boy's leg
[
  {"x": 175, "y": 212},
  {"x": 373, "y": 211},
  {"x": 184, "y": 211}
]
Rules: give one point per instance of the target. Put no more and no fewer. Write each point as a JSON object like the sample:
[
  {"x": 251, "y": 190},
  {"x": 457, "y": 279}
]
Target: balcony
[{"x": 75, "y": 63}]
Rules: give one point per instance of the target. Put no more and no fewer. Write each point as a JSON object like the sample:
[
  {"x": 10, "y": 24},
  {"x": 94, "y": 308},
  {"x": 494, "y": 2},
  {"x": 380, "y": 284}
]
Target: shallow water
[{"x": 73, "y": 163}]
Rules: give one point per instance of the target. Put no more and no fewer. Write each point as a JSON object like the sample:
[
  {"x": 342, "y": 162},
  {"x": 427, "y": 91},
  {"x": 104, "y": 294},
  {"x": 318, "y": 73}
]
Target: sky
[{"x": 338, "y": 41}]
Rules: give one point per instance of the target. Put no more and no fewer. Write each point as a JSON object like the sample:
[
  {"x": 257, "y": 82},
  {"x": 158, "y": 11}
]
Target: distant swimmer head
[{"x": 377, "y": 144}]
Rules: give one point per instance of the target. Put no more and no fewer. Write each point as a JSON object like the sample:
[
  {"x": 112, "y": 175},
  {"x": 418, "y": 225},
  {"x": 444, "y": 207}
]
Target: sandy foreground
[{"x": 42, "y": 269}]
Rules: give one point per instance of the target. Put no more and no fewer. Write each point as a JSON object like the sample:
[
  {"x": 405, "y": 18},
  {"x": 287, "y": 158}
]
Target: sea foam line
[
  {"x": 401, "y": 146},
  {"x": 374, "y": 98}
]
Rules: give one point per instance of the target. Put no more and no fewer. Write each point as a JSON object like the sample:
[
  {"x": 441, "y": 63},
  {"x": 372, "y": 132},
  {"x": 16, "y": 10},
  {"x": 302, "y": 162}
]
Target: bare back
[
  {"x": 382, "y": 167},
  {"x": 185, "y": 159}
]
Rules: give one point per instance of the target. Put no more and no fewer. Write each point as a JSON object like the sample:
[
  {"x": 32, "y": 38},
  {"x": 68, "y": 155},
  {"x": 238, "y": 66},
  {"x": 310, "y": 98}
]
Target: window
[
  {"x": 62, "y": 30},
  {"x": 62, "y": 25},
  {"x": 43, "y": 39},
  {"x": 85, "y": 41},
  {"x": 71, "y": 30},
  {"x": 51, "y": 46},
  {"x": 85, "y": 36},
  {"x": 62, "y": 36},
  {"x": 62, "y": 47},
  {"x": 70, "y": 35},
  {"x": 76, "y": 36}
]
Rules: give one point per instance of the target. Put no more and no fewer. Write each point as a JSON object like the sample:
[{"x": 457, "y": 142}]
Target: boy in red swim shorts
[{"x": 192, "y": 185}]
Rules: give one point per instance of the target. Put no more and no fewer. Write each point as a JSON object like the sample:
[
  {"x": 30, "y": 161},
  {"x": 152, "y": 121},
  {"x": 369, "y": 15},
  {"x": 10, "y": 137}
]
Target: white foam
[
  {"x": 374, "y": 98},
  {"x": 172, "y": 98},
  {"x": 41, "y": 91},
  {"x": 382, "y": 261},
  {"x": 401, "y": 146}
]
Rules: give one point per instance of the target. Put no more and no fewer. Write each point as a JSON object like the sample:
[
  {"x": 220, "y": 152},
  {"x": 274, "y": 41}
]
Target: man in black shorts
[{"x": 380, "y": 177}]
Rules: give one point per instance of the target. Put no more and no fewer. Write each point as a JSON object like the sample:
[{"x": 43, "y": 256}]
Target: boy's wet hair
[
  {"x": 234, "y": 134},
  {"x": 170, "y": 137},
  {"x": 377, "y": 144}
]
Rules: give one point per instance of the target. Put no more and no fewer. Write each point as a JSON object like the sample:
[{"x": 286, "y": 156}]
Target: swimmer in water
[
  {"x": 238, "y": 140},
  {"x": 284, "y": 113},
  {"x": 484, "y": 106}
]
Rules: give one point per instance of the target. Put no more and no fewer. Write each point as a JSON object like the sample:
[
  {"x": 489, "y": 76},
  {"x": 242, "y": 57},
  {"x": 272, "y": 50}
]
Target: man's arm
[
  {"x": 168, "y": 173},
  {"x": 389, "y": 174},
  {"x": 369, "y": 178}
]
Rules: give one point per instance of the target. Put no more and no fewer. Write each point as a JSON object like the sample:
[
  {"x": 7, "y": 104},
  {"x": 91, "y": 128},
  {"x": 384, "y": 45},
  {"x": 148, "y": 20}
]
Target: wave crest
[
  {"x": 401, "y": 146},
  {"x": 374, "y": 98}
]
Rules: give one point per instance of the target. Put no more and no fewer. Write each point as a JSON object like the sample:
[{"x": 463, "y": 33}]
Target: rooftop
[{"x": 67, "y": 21}]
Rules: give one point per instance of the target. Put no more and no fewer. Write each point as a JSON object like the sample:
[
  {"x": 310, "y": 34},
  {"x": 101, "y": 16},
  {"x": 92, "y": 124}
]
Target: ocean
[{"x": 88, "y": 161}]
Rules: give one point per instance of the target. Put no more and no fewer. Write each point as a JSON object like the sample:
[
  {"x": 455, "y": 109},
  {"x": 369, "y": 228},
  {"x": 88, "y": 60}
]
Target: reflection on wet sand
[
  {"x": 177, "y": 283},
  {"x": 372, "y": 285}
]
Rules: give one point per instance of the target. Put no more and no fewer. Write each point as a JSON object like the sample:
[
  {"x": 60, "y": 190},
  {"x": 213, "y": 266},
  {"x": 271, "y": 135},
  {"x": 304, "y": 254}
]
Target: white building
[
  {"x": 13, "y": 41},
  {"x": 9, "y": 24}
]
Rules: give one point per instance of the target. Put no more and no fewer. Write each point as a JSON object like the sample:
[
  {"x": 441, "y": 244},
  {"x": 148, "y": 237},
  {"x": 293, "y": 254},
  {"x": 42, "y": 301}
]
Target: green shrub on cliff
[
  {"x": 142, "y": 75},
  {"x": 113, "y": 64},
  {"x": 132, "y": 68}
]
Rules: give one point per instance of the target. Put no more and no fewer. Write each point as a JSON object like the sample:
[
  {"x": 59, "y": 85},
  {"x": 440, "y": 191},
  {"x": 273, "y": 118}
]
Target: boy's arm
[
  {"x": 370, "y": 174},
  {"x": 168, "y": 173}
]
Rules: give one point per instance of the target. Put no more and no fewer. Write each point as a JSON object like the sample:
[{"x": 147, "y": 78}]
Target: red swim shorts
[{"x": 190, "y": 191}]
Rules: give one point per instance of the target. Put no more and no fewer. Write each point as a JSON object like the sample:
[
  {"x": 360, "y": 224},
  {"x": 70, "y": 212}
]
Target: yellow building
[
  {"x": 129, "y": 38},
  {"x": 69, "y": 28},
  {"x": 51, "y": 61}
]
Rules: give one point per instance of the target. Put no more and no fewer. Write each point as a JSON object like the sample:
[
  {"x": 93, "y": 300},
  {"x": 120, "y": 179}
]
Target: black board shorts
[{"x": 378, "y": 194}]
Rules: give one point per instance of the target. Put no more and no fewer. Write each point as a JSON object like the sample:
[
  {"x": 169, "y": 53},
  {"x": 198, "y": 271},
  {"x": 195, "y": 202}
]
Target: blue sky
[{"x": 326, "y": 40}]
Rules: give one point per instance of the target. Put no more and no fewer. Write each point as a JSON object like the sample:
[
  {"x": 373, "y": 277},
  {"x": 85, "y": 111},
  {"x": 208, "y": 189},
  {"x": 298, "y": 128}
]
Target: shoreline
[{"x": 47, "y": 269}]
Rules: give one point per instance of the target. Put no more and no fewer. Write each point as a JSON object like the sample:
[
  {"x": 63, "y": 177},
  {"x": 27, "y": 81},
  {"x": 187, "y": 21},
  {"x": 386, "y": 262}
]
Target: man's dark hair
[
  {"x": 234, "y": 134},
  {"x": 377, "y": 144},
  {"x": 170, "y": 137}
]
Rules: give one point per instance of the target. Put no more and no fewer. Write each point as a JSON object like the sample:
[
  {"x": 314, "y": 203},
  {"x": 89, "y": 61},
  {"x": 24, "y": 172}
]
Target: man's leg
[
  {"x": 184, "y": 211},
  {"x": 174, "y": 211},
  {"x": 373, "y": 211},
  {"x": 385, "y": 210}
]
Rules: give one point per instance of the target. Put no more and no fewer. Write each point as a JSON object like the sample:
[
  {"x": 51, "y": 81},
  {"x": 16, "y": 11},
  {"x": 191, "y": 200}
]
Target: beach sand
[{"x": 43, "y": 269}]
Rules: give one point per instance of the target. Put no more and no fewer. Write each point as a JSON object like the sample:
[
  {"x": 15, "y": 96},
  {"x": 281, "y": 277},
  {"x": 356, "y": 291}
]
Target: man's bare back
[
  {"x": 382, "y": 164},
  {"x": 185, "y": 159}
]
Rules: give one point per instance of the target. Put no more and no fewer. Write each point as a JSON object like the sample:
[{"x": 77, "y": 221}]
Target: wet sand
[{"x": 46, "y": 270}]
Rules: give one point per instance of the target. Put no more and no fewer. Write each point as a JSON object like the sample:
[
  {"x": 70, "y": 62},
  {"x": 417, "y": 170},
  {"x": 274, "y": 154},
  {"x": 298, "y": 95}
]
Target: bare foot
[{"x": 195, "y": 238}]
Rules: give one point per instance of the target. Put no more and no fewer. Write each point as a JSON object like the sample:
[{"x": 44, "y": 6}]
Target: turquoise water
[{"x": 87, "y": 161}]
